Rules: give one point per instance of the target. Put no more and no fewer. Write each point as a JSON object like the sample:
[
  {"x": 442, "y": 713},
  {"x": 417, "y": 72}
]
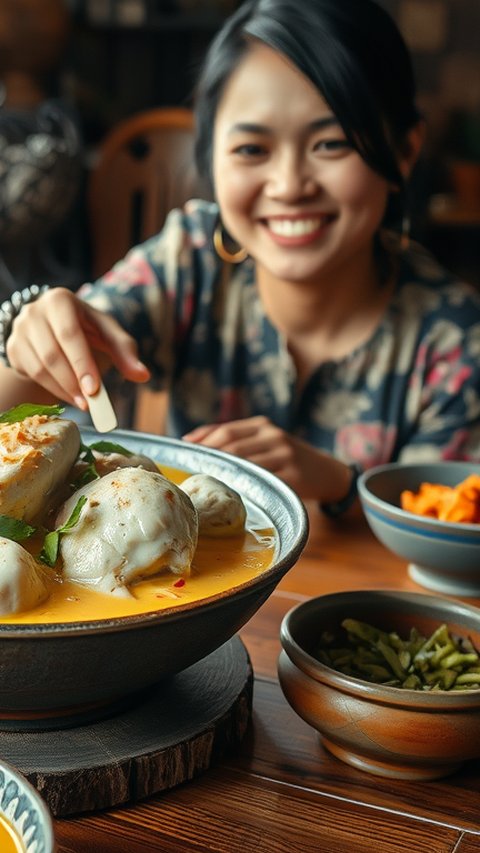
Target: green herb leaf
[
  {"x": 49, "y": 552},
  {"x": 89, "y": 474},
  {"x": 110, "y": 447},
  {"x": 85, "y": 453},
  {"x": 75, "y": 515},
  {"x": 12, "y": 528},
  {"x": 27, "y": 410}
]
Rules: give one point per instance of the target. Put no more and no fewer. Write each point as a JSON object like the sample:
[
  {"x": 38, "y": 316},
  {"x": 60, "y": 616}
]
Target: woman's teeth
[{"x": 294, "y": 227}]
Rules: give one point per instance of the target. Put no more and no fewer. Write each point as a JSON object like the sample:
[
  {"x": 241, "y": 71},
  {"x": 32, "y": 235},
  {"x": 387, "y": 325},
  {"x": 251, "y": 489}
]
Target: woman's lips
[{"x": 297, "y": 231}]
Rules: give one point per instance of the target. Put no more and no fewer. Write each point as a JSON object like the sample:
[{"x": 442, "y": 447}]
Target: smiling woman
[
  {"x": 296, "y": 194},
  {"x": 292, "y": 323}
]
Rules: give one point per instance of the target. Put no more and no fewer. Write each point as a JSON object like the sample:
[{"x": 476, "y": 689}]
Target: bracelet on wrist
[
  {"x": 336, "y": 508},
  {"x": 10, "y": 309}
]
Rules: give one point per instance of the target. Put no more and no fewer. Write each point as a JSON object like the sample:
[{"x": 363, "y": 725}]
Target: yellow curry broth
[
  {"x": 9, "y": 840},
  {"x": 218, "y": 565}
]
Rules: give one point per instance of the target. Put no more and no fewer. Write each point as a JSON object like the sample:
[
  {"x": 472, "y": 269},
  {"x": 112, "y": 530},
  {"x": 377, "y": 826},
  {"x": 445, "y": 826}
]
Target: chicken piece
[
  {"x": 107, "y": 462},
  {"x": 221, "y": 511},
  {"x": 36, "y": 455},
  {"x": 134, "y": 524},
  {"x": 22, "y": 584}
]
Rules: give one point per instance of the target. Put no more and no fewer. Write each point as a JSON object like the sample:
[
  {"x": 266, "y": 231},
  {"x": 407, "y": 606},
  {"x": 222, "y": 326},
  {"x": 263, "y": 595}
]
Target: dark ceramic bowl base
[{"x": 169, "y": 735}]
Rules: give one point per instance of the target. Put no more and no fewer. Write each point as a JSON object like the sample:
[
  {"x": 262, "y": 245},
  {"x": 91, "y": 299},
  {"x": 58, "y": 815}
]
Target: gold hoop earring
[{"x": 230, "y": 257}]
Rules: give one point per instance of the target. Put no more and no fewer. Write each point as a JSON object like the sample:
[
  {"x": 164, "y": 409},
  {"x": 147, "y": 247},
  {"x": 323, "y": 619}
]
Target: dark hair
[{"x": 352, "y": 52}]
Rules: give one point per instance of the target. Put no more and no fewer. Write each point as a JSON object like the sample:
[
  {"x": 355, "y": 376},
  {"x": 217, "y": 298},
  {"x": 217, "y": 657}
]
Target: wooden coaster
[{"x": 172, "y": 735}]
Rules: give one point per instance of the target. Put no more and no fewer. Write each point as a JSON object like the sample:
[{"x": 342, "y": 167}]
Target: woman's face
[{"x": 291, "y": 190}]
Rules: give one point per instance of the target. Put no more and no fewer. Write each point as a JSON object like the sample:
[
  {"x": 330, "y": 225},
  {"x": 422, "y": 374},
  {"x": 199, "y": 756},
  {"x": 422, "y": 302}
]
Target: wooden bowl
[
  {"x": 55, "y": 675},
  {"x": 388, "y": 731},
  {"x": 24, "y": 814}
]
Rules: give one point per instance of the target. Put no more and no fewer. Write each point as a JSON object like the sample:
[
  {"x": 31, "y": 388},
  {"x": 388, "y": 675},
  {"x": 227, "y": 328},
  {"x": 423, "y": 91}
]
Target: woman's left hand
[{"x": 310, "y": 472}]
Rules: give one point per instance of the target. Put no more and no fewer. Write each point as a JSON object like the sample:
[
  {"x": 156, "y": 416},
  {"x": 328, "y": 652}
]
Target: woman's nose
[{"x": 291, "y": 178}]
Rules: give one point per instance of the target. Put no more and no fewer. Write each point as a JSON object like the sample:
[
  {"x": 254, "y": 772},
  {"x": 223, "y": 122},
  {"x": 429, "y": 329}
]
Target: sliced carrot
[{"x": 458, "y": 504}]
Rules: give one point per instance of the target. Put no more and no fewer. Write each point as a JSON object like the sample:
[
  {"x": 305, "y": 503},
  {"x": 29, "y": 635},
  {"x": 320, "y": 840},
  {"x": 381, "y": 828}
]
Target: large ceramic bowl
[
  {"x": 442, "y": 556},
  {"x": 52, "y": 673},
  {"x": 389, "y": 731},
  {"x": 24, "y": 817}
]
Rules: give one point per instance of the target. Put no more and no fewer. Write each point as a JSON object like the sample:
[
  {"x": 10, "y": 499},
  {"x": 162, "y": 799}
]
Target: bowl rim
[
  {"x": 300, "y": 526},
  {"x": 368, "y": 690},
  {"x": 372, "y": 502},
  {"x": 39, "y": 803}
]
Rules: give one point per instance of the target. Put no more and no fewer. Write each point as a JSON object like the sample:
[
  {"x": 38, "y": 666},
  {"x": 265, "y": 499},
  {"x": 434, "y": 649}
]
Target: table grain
[{"x": 282, "y": 792}]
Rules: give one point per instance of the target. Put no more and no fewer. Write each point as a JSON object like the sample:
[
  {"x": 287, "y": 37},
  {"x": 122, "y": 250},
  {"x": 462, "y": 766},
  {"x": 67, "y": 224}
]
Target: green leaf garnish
[
  {"x": 49, "y": 552},
  {"x": 89, "y": 474},
  {"x": 27, "y": 410},
  {"x": 74, "y": 516},
  {"x": 13, "y": 528},
  {"x": 85, "y": 453},
  {"x": 111, "y": 447}
]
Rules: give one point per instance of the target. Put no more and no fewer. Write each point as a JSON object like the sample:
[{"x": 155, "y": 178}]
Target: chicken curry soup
[{"x": 219, "y": 564}]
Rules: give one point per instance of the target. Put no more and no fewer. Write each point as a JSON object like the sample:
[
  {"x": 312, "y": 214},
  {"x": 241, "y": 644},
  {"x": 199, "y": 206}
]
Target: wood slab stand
[{"x": 172, "y": 735}]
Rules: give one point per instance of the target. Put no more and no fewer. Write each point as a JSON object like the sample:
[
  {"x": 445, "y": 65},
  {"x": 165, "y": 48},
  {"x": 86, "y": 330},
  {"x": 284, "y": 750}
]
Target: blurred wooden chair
[{"x": 145, "y": 167}]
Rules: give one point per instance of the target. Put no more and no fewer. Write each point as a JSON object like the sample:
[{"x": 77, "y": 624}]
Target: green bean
[
  {"x": 405, "y": 658},
  {"x": 467, "y": 678},
  {"x": 441, "y": 652},
  {"x": 437, "y": 662},
  {"x": 444, "y": 678},
  {"x": 376, "y": 672},
  {"x": 440, "y": 636},
  {"x": 412, "y": 682},
  {"x": 395, "y": 641},
  {"x": 457, "y": 659},
  {"x": 363, "y": 631},
  {"x": 340, "y": 654},
  {"x": 392, "y": 659}
]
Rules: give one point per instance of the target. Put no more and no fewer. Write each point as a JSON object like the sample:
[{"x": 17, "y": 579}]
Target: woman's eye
[
  {"x": 332, "y": 145},
  {"x": 249, "y": 149}
]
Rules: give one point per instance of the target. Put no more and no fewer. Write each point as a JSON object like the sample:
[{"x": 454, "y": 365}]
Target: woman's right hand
[{"x": 53, "y": 341}]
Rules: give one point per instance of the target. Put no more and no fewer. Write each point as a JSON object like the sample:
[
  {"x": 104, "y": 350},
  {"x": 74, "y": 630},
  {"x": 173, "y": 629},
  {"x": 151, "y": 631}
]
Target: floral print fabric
[{"x": 410, "y": 393}]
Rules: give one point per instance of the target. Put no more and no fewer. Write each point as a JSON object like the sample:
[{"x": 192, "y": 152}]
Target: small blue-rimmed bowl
[
  {"x": 24, "y": 817},
  {"x": 443, "y": 556}
]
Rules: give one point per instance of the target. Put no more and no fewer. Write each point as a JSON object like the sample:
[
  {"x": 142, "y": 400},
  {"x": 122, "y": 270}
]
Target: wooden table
[{"x": 282, "y": 792}]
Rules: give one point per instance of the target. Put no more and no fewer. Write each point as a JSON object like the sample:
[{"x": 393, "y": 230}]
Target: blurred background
[{"x": 72, "y": 70}]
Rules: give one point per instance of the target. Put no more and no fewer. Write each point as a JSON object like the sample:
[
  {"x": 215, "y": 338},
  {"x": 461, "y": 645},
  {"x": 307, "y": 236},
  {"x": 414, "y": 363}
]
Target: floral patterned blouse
[{"x": 410, "y": 393}]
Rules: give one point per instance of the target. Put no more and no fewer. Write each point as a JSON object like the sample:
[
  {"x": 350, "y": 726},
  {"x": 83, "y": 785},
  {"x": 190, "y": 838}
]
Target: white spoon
[{"x": 101, "y": 410}]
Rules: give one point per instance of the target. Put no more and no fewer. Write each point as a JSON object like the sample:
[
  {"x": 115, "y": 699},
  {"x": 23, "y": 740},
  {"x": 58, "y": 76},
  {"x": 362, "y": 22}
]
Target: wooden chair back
[{"x": 145, "y": 168}]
